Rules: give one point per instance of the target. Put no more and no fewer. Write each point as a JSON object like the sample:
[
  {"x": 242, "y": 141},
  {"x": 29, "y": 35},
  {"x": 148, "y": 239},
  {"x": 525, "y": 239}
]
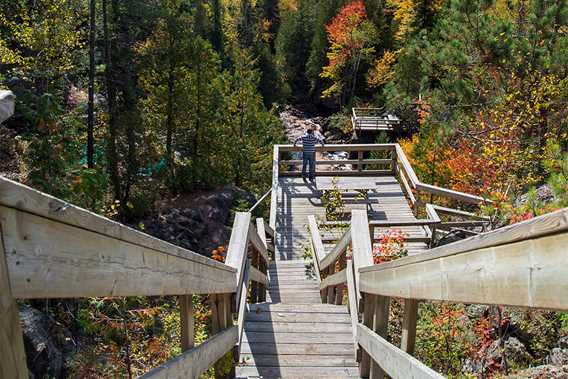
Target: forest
[{"x": 129, "y": 107}]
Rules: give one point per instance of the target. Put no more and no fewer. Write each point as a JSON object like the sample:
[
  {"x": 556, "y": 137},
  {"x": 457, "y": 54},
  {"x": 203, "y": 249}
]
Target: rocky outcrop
[
  {"x": 200, "y": 224},
  {"x": 47, "y": 344}
]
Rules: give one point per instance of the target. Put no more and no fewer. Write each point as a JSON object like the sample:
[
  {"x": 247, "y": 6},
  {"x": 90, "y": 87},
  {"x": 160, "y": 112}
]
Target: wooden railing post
[
  {"x": 409, "y": 325},
  {"x": 331, "y": 289},
  {"x": 187, "y": 322},
  {"x": 12, "y": 352},
  {"x": 369, "y": 303},
  {"x": 381, "y": 321},
  {"x": 360, "y": 161}
]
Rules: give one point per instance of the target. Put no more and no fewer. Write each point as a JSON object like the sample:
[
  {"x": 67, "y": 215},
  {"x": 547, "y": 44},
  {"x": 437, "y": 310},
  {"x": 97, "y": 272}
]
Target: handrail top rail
[
  {"x": 260, "y": 200},
  {"x": 342, "y": 147},
  {"x": 26, "y": 199},
  {"x": 548, "y": 224},
  {"x": 413, "y": 178}
]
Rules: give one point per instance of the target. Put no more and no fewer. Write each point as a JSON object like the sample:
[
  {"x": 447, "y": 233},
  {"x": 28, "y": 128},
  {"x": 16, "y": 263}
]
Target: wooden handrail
[
  {"x": 259, "y": 201},
  {"x": 341, "y": 147},
  {"x": 339, "y": 249},
  {"x": 521, "y": 265},
  {"x": 50, "y": 248}
]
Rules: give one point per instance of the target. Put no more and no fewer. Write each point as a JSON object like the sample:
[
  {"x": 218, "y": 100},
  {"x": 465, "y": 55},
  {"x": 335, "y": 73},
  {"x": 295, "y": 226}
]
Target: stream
[{"x": 296, "y": 122}]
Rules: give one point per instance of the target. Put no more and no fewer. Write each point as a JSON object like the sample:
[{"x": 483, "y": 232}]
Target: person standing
[{"x": 309, "y": 140}]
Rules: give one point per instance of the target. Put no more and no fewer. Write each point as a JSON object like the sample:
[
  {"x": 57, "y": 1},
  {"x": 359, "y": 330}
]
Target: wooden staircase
[
  {"x": 267, "y": 309},
  {"x": 294, "y": 334}
]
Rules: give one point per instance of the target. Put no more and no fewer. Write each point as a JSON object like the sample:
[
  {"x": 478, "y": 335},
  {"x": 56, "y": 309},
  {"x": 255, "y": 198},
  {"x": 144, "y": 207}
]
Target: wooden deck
[
  {"x": 298, "y": 199},
  {"x": 283, "y": 337}
]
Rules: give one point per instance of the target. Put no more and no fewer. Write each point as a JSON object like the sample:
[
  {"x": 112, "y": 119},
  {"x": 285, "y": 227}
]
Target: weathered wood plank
[
  {"x": 258, "y": 243},
  {"x": 361, "y": 243},
  {"x": 410, "y": 316},
  {"x": 298, "y": 317},
  {"x": 406, "y": 186},
  {"x": 353, "y": 304},
  {"x": 299, "y": 360},
  {"x": 242, "y": 302},
  {"x": 297, "y": 327},
  {"x": 410, "y": 174},
  {"x": 531, "y": 273},
  {"x": 460, "y": 213},
  {"x": 274, "y": 189},
  {"x": 381, "y": 324},
  {"x": 297, "y": 372},
  {"x": 395, "y": 362},
  {"x": 369, "y": 303},
  {"x": 50, "y": 259},
  {"x": 298, "y": 348},
  {"x": 339, "y": 249},
  {"x": 12, "y": 352},
  {"x": 316, "y": 239},
  {"x": 237, "y": 251},
  {"x": 451, "y": 194},
  {"x": 341, "y": 147},
  {"x": 17, "y": 196},
  {"x": 334, "y": 338},
  {"x": 555, "y": 222},
  {"x": 192, "y": 363},
  {"x": 334, "y": 279},
  {"x": 257, "y": 276},
  {"x": 301, "y": 308},
  {"x": 187, "y": 322}
]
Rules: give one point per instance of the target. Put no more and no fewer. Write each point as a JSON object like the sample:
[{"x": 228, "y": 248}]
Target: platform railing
[
  {"x": 52, "y": 249},
  {"x": 522, "y": 265},
  {"x": 441, "y": 210}
]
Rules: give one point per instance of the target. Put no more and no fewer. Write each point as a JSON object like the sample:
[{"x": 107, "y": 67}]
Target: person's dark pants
[{"x": 309, "y": 159}]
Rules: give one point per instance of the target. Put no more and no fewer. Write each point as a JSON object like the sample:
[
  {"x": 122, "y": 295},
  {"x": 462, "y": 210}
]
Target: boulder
[
  {"x": 558, "y": 356},
  {"x": 46, "y": 342},
  {"x": 542, "y": 372},
  {"x": 7, "y": 105},
  {"x": 514, "y": 351}
]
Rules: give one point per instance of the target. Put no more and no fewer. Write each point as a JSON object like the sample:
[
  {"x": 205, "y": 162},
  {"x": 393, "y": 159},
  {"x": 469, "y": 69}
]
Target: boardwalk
[
  {"x": 283, "y": 338},
  {"x": 298, "y": 199}
]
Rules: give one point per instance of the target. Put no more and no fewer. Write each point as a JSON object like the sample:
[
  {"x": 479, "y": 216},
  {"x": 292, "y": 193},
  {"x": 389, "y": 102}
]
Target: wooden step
[
  {"x": 264, "y": 360},
  {"x": 297, "y": 327},
  {"x": 298, "y": 317},
  {"x": 296, "y": 372},
  {"x": 298, "y": 348},
  {"x": 335, "y": 338},
  {"x": 299, "y": 308}
]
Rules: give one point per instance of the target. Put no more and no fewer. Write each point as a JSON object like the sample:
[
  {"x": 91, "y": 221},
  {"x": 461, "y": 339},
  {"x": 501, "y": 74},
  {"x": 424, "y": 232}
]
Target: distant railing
[
  {"x": 440, "y": 219},
  {"x": 521, "y": 265},
  {"x": 52, "y": 249},
  {"x": 372, "y": 119}
]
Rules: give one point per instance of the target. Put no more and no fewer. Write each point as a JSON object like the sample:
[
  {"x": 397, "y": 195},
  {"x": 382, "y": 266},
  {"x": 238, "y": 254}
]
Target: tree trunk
[
  {"x": 112, "y": 154},
  {"x": 91, "y": 107}
]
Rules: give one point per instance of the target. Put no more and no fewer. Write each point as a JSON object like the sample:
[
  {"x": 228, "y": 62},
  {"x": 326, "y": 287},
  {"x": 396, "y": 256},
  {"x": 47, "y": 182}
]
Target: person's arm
[{"x": 297, "y": 140}]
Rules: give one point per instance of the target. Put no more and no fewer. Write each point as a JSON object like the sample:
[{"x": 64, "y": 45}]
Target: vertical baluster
[
  {"x": 12, "y": 353},
  {"x": 339, "y": 295},
  {"x": 187, "y": 322},
  {"x": 331, "y": 289},
  {"x": 254, "y": 285},
  {"x": 409, "y": 325},
  {"x": 360, "y": 161},
  {"x": 381, "y": 328},
  {"x": 369, "y": 302}
]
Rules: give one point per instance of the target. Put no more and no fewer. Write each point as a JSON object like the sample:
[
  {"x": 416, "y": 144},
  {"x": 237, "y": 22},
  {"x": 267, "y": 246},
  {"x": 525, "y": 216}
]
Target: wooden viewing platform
[
  {"x": 276, "y": 314},
  {"x": 372, "y": 120}
]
